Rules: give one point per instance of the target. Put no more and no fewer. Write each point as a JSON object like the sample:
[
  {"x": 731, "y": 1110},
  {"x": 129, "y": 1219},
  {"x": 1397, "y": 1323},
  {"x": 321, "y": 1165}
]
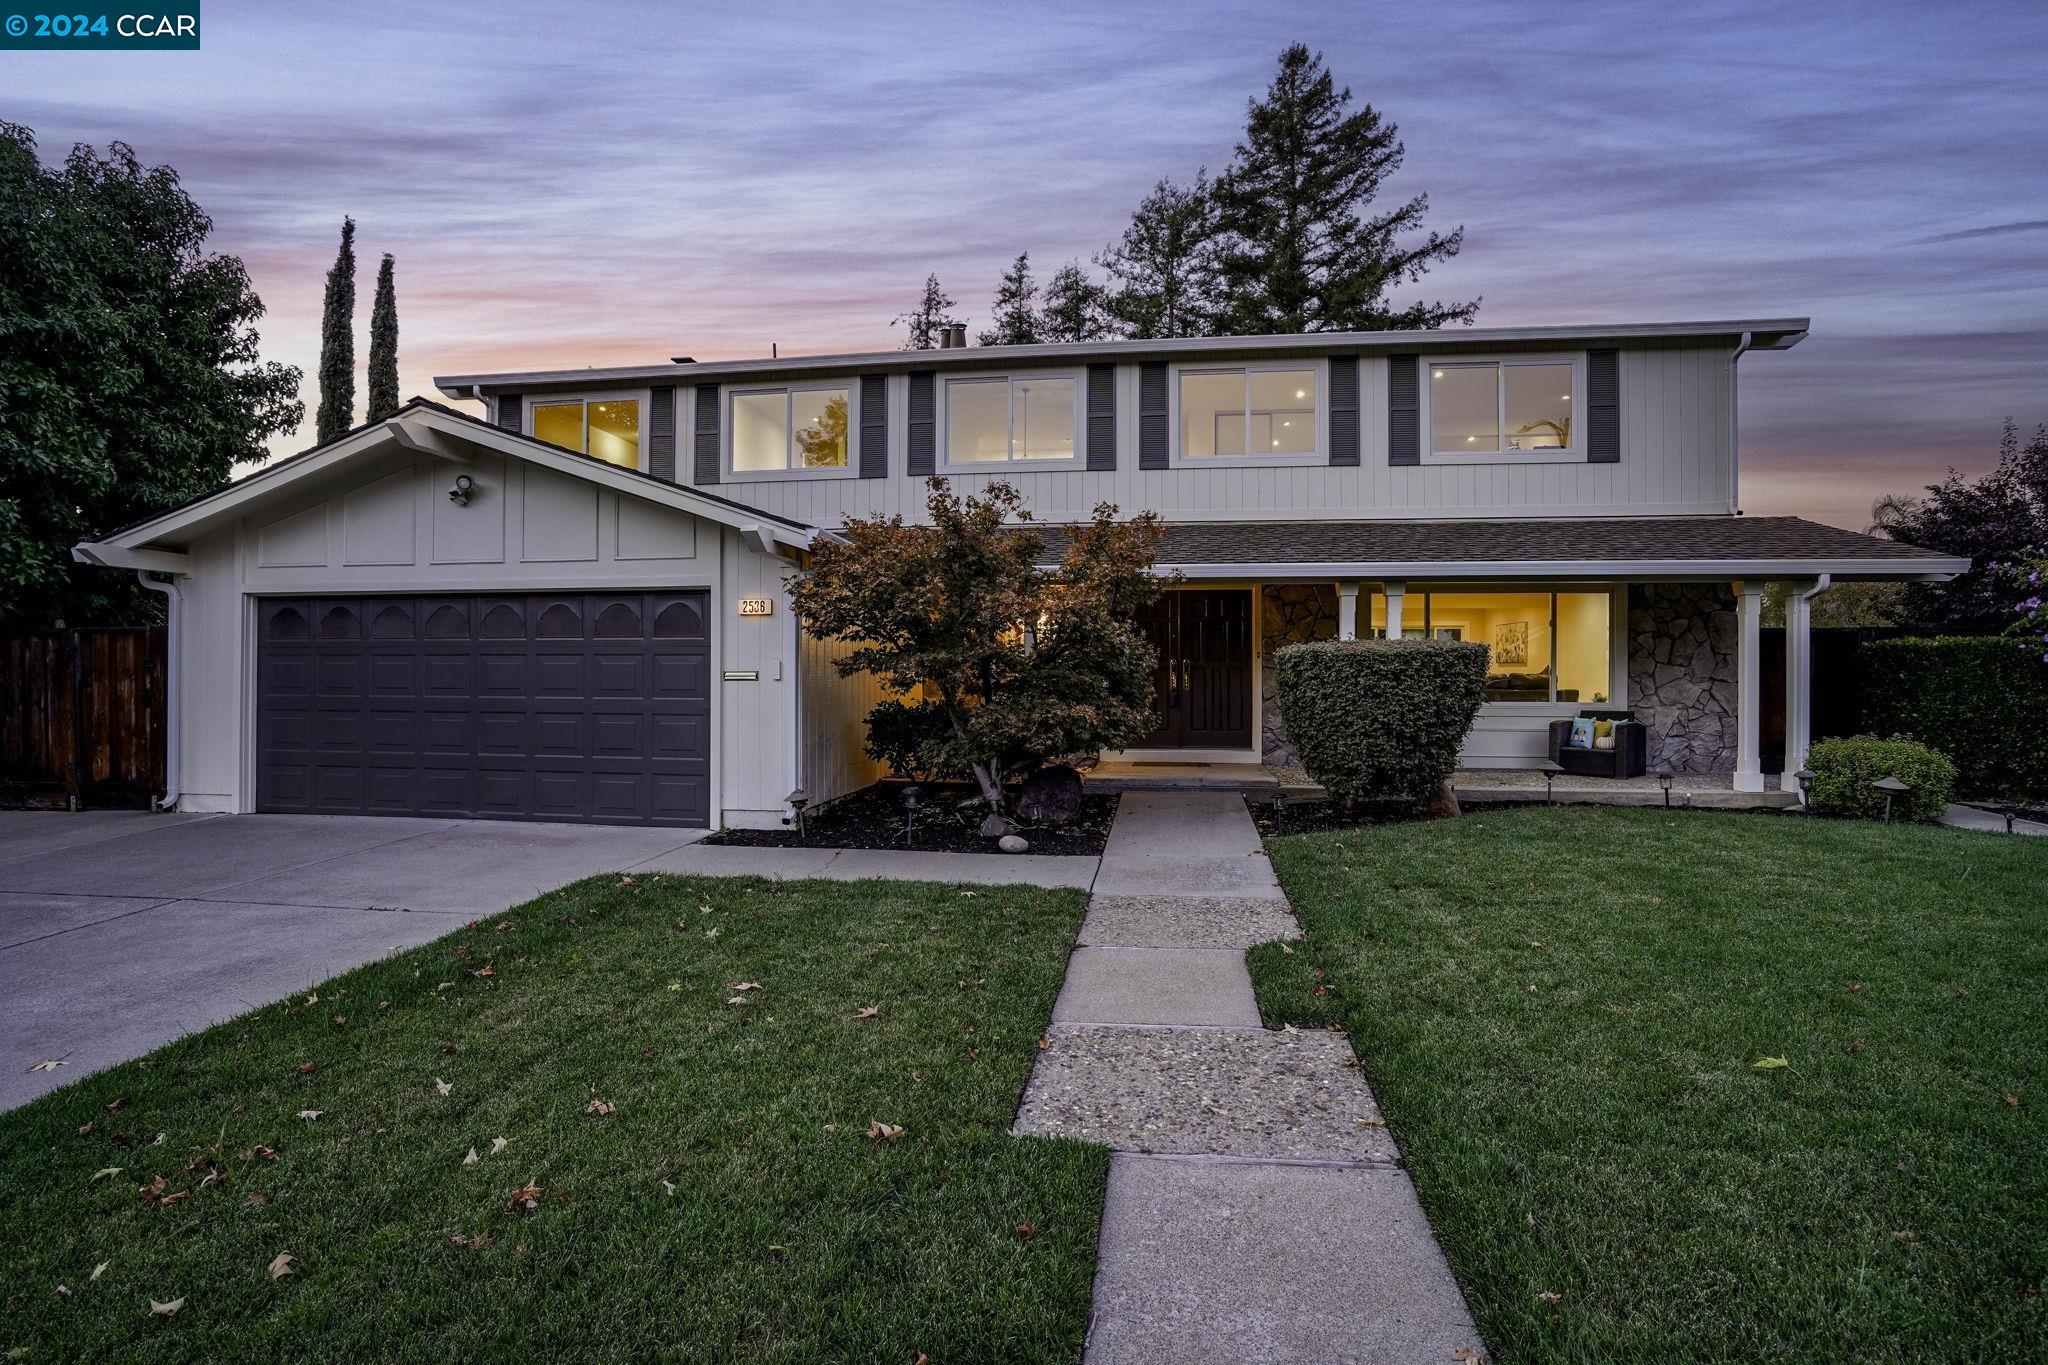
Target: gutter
[{"x": 174, "y": 602}]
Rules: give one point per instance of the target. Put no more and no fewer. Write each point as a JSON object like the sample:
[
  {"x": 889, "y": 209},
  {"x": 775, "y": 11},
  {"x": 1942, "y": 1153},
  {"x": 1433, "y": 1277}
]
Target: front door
[{"x": 1203, "y": 681}]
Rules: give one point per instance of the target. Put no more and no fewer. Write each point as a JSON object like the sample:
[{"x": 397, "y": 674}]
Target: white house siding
[
  {"x": 835, "y": 722},
  {"x": 1676, "y": 441},
  {"x": 387, "y": 525}
]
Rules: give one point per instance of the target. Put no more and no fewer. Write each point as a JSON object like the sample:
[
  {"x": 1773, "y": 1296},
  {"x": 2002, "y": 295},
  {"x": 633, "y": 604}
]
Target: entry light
[
  {"x": 1436, "y": 374},
  {"x": 464, "y": 486},
  {"x": 1566, "y": 397},
  {"x": 1301, "y": 393}
]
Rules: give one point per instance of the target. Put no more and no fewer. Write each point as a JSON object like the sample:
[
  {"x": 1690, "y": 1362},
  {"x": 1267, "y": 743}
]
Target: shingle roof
[{"x": 1583, "y": 544}]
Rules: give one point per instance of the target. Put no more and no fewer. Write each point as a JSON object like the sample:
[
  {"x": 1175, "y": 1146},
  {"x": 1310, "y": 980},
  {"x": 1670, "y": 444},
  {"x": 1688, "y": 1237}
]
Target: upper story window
[
  {"x": 1005, "y": 419},
  {"x": 792, "y": 430},
  {"x": 1506, "y": 408},
  {"x": 1249, "y": 412},
  {"x": 607, "y": 428}
]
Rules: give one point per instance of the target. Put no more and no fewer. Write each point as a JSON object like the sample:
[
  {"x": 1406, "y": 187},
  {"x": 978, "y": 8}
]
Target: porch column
[
  {"x": 1749, "y": 615},
  {"x": 1347, "y": 610},
  {"x": 1798, "y": 677},
  {"x": 1397, "y": 596}
]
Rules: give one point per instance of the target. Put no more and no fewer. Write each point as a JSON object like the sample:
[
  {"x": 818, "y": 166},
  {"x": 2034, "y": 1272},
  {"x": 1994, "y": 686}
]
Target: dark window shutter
[
  {"x": 1344, "y": 409},
  {"x": 874, "y": 426},
  {"x": 706, "y": 441},
  {"x": 1102, "y": 417},
  {"x": 661, "y": 432},
  {"x": 923, "y": 435},
  {"x": 1404, "y": 409},
  {"x": 1603, "y": 407},
  {"x": 512, "y": 412},
  {"x": 1152, "y": 415}
]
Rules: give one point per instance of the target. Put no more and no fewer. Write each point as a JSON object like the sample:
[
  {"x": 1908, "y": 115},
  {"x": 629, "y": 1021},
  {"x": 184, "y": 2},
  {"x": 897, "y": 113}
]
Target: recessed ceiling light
[
  {"x": 1301, "y": 393},
  {"x": 1436, "y": 374}
]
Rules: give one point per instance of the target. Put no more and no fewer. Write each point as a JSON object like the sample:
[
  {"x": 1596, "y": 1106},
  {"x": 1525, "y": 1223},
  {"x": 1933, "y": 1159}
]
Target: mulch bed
[
  {"x": 873, "y": 818},
  {"x": 1316, "y": 817}
]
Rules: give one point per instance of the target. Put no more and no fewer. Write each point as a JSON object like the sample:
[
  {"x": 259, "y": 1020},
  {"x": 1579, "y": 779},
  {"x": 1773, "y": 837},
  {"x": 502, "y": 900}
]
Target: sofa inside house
[{"x": 1524, "y": 687}]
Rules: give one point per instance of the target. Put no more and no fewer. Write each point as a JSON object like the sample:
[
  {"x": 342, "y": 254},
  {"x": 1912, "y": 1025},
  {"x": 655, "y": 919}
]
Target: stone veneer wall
[
  {"x": 1682, "y": 673},
  {"x": 1289, "y": 614}
]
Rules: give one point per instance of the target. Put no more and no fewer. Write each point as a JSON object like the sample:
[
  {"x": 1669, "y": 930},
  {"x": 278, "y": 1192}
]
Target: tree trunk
[
  {"x": 989, "y": 777},
  {"x": 1443, "y": 802}
]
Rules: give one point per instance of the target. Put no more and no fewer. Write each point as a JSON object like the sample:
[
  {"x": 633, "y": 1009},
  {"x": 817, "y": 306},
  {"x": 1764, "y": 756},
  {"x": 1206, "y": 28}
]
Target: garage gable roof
[{"x": 427, "y": 428}]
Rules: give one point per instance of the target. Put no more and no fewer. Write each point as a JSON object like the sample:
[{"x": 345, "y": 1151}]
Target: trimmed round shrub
[
  {"x": 1980, "y": 699},
  {"x": 1380, "y": 720},
  {"x": 1843, "y": 770}
]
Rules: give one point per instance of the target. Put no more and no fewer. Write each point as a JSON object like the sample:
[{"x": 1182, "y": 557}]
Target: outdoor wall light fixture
[
  {"x": 1804, "y": 777},
  {"x": 1664, "y": 781},
  {"x": 1891, "y": 787},
  {"x": 464, "y": 486}
]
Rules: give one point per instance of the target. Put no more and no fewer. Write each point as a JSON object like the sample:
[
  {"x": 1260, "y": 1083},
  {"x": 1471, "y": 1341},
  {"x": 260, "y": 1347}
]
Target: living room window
[
  {"x": 1543, "y": 646},
  {"x": 793, "y": 430},
  {"x": 1506, "y": 408},
  {"x": 604, "y": 428},
  {"x": 1248, "y": 413},
  {"x": 1010, "y": 419}
]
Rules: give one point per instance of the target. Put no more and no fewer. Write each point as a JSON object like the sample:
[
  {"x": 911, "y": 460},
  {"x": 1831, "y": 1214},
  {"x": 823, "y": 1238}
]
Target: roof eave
[{"x": 1930, "y": 569}]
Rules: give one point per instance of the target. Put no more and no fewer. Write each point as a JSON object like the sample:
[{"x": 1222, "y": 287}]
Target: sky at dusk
[{"x": 604, "y": 183}]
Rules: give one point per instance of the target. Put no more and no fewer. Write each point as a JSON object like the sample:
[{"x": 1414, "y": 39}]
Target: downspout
[
  {"x": 1806, "y": 596},
  {"x": 1735, "y": 430},
  {"x": 796, "y": 711},
  {"x": 174, "y": 602}
]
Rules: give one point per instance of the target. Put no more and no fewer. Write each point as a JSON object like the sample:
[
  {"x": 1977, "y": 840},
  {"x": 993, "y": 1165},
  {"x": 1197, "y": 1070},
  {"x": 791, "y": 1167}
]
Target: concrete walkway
[
  {"x": 1257, "y": 1209},
  {"x": 1991, "y": 822}
]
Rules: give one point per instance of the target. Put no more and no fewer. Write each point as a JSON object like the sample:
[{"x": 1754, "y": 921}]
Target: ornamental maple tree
[{"x": 999, "y": 665}]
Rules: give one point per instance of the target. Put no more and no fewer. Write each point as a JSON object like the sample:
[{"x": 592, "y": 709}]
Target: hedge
[
  {"x": 1380, "y": 719},
  {"x": 1981, "y": 700},
  {"x": 1843, "y": 770}
]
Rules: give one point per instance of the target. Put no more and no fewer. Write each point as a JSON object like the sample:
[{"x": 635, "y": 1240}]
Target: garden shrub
[
  {"x": 1843, "y": 770},
  {"x": 1380, "y": 719},
  {"x": 1982, "y": 700}
]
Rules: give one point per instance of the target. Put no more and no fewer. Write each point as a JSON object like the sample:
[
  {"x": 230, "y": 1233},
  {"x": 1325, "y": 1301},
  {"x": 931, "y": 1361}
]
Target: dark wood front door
[{"x": 1203, "y": 681}]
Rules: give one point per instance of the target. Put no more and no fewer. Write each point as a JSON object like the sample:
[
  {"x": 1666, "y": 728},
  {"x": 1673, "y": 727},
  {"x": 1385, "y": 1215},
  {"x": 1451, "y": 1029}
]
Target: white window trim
[
  {"x": 1320, "y": 455},
  {"x": 942, "y": 419},
  {"x": 1573, "y": 454},
  {"x": 644, "y": 397},
  {"x": 1617, "y": 634},
  {"x": 851, "y": 469}
]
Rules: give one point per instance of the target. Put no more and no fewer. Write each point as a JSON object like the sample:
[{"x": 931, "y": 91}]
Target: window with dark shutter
[
  {"x": 922, "y": 444},
  {"x": 1404, "y": 409},
  {"x": 1152, "y": 415},
  {"x": 705, "y": 446},
  {"x": 511, "y": 412},
  {"x": 661, "y": 432},
  {"x": 1102, "y": 417},
  {"x": 1344, "y": 409},
  {"x": 1603, "y": 407},
  {"x": 874, "y": 426}
]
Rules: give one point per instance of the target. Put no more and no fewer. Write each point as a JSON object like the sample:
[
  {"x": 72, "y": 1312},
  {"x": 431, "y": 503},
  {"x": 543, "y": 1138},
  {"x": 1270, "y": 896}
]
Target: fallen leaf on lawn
[
  {"x": 165, "y": 1310},
  {"x": 480, "y": 1242},
  {"x": 503, "y": 925},
  {"x": 484, "y": 970},
  {"x": 1471, "y": 1354},
  {"x": 307, "y": 1068},
  {"x": 84, "y": 1128},
  {"x": 1026, "y": 1230},
  {"x": 471, "y": 1159},
  {"x": 116, "y": 1106},
  {"x": 100, "y": 1269},
  {"x": 1550, "y": 1296},
  {"x": 1287, "y": 950},
  {"x": 383, "y": 1004},
  {"x": 1854, "y": 988},
  {"x": 49, "y": 1064},
  {"x": 884, "y": 1132},
  {"x": 599, "y": 1107},
  {"x": 1044, "y": 1042},
  {"x": 445, "y": 985},
  {"x": 1289, "y": 1028},
  {"x": 737, "y": 1000},
  {"x": 341, "y": 1018},
  {"x": 2012, "y": 1101},
  {"x": 1374, "y": 1123},
  {"x": 1854, "y": 1047},
  {"x": 1904, "y": 1234},
  {"x": 443, "y": 1086},
  {"x": 257, "y": 1199},
  {"x": 105, "y": 1172},
  {"x": 675, "y": 985},
  {"x": 526, "y": 1197},
  {"x": 497, "y": 1145},
  {"x": 743, "y": 985},
  {"x": 64, "y": 1292},
  {"x": 711, "y": 933},
  {"x": 281, "y": 1265},
  {"x": 1768, "y": 1063},
  {"x": 669, "y": 1185},
  {"x": 626, "y": 881},
  {"x": 313, "y": 999},
  {"x": 969, "y": 895},
  {"x": 311, "y": 1114}
]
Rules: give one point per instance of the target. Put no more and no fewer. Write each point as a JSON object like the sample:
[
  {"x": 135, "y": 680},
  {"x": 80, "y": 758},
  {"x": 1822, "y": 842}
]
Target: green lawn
[
  {"x": 789, "y": 1234},
  {"x": 1560, "y": 1012}
]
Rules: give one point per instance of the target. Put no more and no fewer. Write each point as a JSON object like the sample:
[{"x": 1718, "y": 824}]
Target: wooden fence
[{"x": 82, "y": 716}]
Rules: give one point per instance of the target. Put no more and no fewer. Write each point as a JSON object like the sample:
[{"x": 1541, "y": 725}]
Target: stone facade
[
  {"x": 1289, "y": 614},
  {"x": 1682, "y": 673}
]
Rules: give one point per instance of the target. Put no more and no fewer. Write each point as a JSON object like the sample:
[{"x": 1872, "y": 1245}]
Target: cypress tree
[
  {"x": 933, "y": 313},
  {"x": 1163, "y": 271},
  {"x": 384, "y": 345},
  {"x": 1015, "y": 322},
  {"x": 1073, "y": 307},
  {"x": 338, "y": 342},
  {"x": 1300, "y": 250}
]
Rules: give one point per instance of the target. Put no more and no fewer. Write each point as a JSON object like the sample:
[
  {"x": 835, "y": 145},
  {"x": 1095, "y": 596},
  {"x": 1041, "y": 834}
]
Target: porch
[{"x": 1714, "y": 791}]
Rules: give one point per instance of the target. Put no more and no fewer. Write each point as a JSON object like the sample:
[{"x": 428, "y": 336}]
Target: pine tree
[
  {"x": 1073, "y": 307},
  {"x": 1299, "y": 251},
  {"x": 1015, "y": 323},
  {"x": 934, "y": 313},
  {"x": 338, "y": 342},
  {"x": 1163, "y": 272},
  {"x": 384, "y": 345}
]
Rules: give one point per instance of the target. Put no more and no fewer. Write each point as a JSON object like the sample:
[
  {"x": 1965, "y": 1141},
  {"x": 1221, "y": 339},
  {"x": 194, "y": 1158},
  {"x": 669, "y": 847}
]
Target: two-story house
[{"x": 575, "y": 607}]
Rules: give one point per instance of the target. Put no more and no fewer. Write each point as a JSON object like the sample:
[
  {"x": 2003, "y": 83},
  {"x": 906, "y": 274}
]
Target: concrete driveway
[{"x": 122, "y": 930}]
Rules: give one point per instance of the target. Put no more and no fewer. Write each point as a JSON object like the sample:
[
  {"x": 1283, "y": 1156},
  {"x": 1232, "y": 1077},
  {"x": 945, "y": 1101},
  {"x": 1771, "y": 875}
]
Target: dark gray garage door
[{"x": 541, "y": 706}]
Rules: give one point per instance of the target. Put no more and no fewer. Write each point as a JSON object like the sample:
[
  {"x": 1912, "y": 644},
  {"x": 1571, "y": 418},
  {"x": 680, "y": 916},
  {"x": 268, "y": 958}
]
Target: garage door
[{"x": 542, "y": 706}]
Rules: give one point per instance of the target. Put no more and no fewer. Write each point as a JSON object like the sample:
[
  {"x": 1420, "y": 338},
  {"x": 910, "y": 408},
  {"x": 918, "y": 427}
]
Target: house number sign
[{"x": 757, "y": 606}]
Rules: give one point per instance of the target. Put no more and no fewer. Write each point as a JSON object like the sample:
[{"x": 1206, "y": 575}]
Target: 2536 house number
[{"x": 757, "y": 606}]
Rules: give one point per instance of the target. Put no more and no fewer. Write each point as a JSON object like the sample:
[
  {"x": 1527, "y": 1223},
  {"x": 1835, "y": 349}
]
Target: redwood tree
[{"x": 1000, "y": 665}]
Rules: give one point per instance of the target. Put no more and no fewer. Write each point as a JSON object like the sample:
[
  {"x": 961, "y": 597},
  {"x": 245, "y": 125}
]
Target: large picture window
[
  {"x": 1003, "y": 420},
  {"x": 1504, "y": 408},
  {"x": 605, "y": 428},
  {"x": 1248, "y": 413},
  {"x": 1543, "y": 646},
  {"x": 778, "y": 431}
]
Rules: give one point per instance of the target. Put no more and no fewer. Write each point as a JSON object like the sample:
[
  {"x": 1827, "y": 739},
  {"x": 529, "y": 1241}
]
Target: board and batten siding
[{"x": 1676, "y": 459}]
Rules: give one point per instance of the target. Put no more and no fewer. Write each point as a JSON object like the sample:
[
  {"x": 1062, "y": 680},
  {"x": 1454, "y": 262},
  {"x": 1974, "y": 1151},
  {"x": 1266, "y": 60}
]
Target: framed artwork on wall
[{"x": 1511, "y": 644}]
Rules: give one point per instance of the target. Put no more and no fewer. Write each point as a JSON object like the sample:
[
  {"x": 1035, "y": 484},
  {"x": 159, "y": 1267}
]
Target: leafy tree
[
  {"x": 1073, "y": 309},
  {"x": 1015, "y": 320},
  {"x": 129, "y": 374},
  {"x": 337, "y": 412},
  {"x": 1299, "y": 249},
  {"x": 1003, "y": 665},
  {"x": 924, "y": 323},
  {"x": 1163, "y": 280},
  {"x": 1995, "y": 520},
  {"x": 384, "y": 345}
]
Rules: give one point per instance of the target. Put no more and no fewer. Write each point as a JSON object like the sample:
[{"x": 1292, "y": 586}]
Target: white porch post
[
  {"x": 1397, "y": 596},
  {"x": 1749, "y": 615},
  {"x": 1347, "y": 609},
  {"x": 1798, "y": 677}
]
